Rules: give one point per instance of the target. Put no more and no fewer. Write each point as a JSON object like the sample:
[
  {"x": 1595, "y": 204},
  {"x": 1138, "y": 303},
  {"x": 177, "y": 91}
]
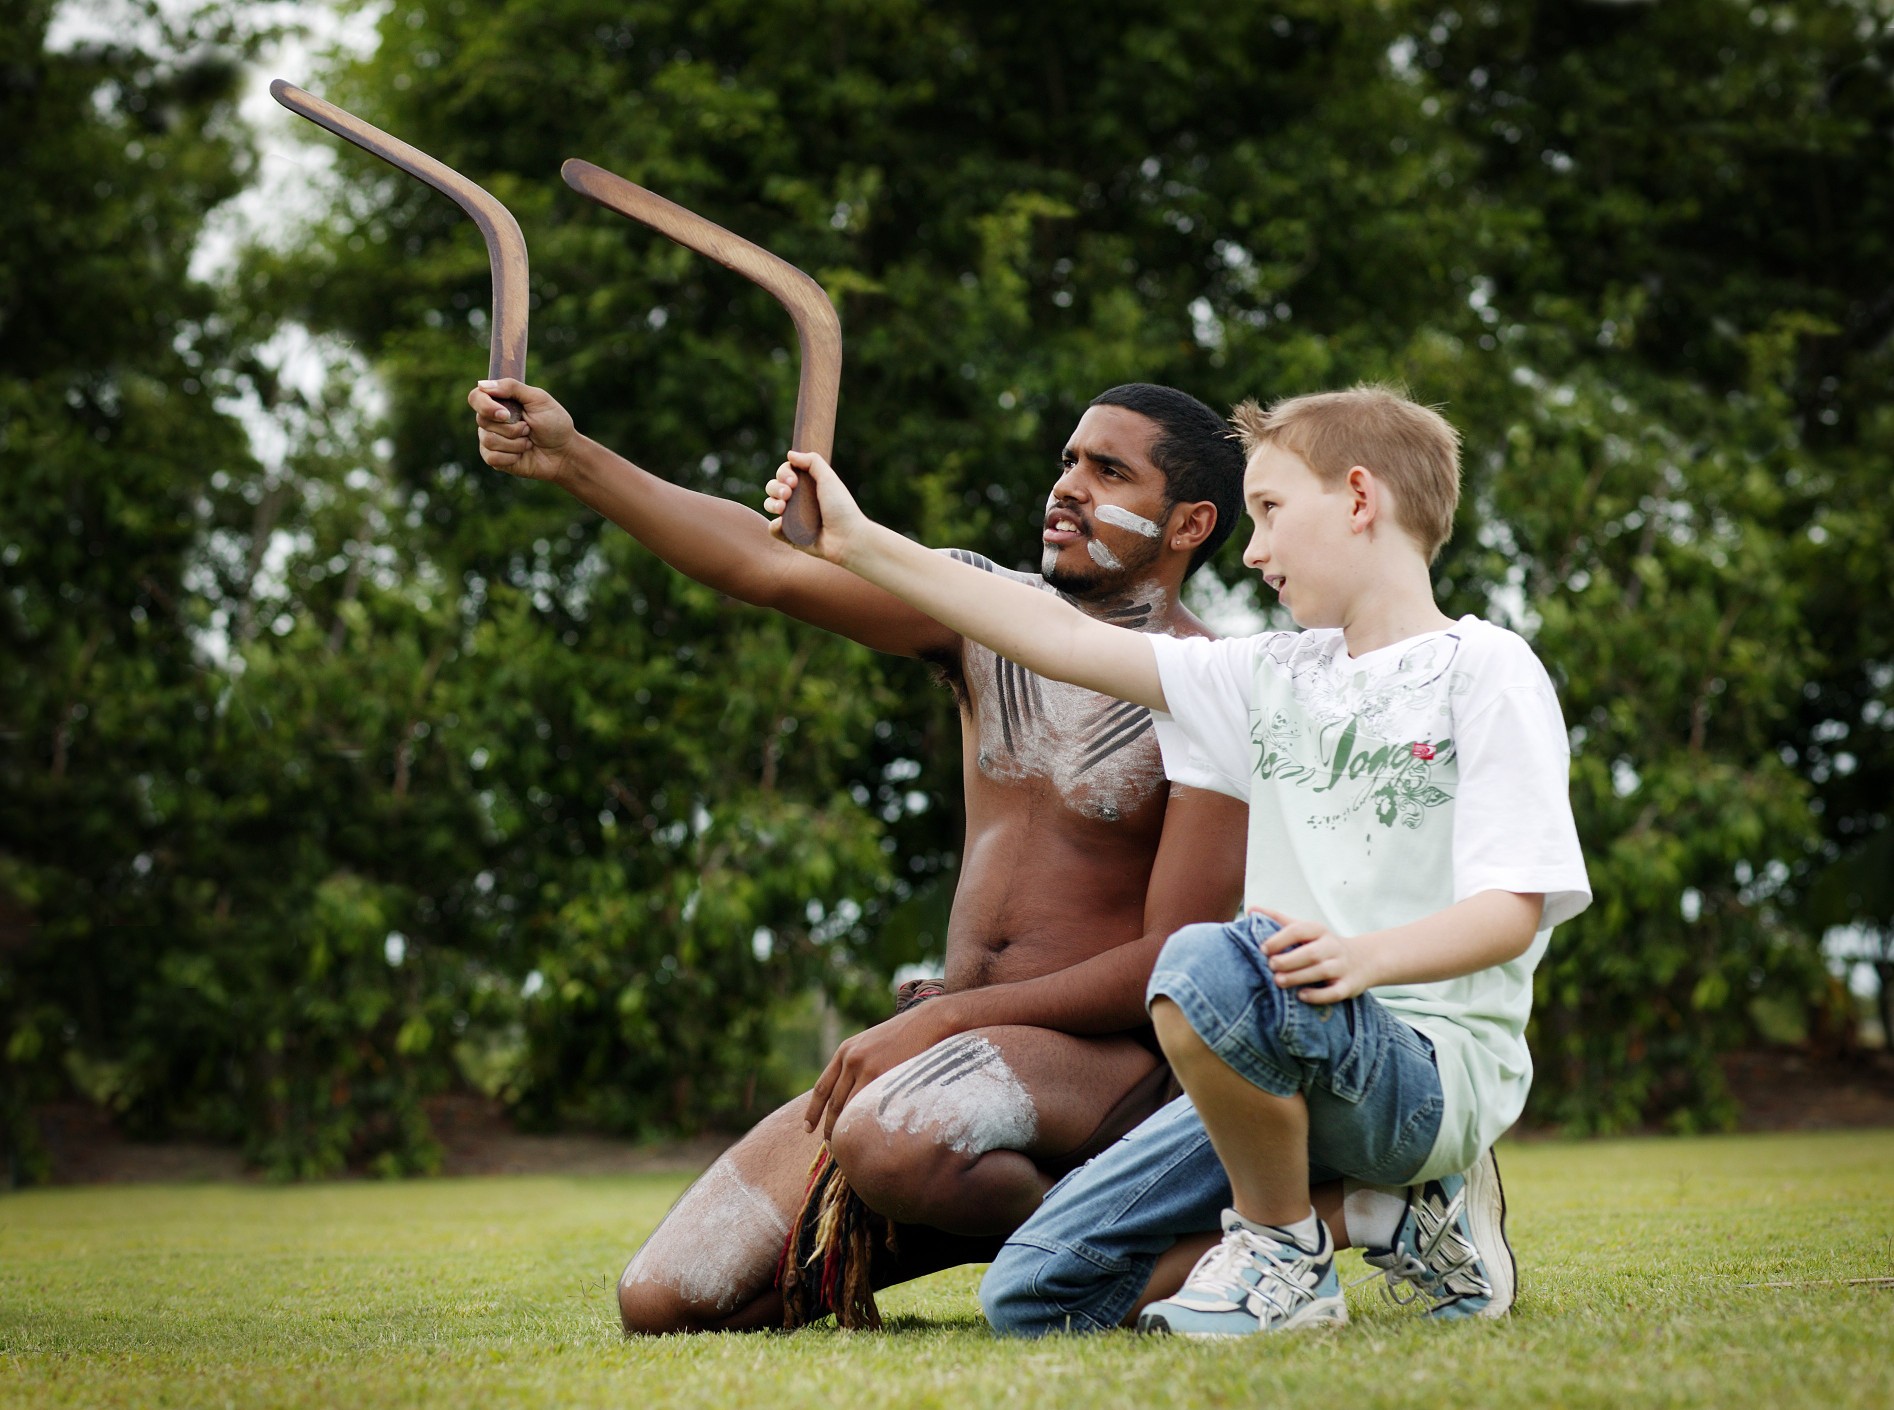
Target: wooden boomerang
[
  {"x": 506, "y": 247},
  {"x": 818, "y": 330}
]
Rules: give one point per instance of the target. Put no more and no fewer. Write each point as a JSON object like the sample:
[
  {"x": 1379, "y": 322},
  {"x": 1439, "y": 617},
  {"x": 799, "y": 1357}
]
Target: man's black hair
[{"x": 1196, "y": 452}]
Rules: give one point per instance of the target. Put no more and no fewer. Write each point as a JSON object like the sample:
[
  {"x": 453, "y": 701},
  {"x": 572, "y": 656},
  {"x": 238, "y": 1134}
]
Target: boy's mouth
[{"x": 1275, "y": 580}]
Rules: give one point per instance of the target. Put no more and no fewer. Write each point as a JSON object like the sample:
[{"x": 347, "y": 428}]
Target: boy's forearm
[
  {"x": 1033, "y": 628},
  {"x": 1484, "y": 930}
]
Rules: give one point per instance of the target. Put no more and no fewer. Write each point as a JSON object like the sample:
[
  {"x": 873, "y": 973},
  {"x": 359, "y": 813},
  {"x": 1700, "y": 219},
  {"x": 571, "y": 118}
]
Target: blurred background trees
[{"x": 336, "y": 770}]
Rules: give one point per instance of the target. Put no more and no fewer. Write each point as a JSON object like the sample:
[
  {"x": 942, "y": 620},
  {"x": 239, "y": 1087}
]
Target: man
[{"x": 952, "y": 1119}]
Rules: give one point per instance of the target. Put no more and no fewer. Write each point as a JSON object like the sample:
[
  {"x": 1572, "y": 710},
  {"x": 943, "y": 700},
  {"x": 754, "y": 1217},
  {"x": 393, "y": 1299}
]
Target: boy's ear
[
  {"x": 1364, "y": 498},
  {"x": 1190, "y": 524}
]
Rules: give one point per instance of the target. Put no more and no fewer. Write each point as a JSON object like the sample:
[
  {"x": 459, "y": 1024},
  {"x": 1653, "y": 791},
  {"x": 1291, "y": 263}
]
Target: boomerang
[
  {"x": 818, "y": 330},
  {"x": 506, "y": 247}
]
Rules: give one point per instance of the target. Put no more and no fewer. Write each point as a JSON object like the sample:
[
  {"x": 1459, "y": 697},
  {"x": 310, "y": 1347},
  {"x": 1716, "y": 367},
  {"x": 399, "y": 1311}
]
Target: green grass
[{"x": 1634, "y": 1258}]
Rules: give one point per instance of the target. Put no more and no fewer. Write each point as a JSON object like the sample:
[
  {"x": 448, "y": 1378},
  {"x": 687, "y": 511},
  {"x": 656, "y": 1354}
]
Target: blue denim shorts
[{"x": 1083, "y": 1259}]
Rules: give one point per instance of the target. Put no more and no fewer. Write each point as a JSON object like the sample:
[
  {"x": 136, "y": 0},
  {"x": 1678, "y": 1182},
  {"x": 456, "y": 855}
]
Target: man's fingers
[
  {"x": 819, "y": 1094},
  {"x": 509, "y": 387},
  {"x": 838, "y": 1099}
]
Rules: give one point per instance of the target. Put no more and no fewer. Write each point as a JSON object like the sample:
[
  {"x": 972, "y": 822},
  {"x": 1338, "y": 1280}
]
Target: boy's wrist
[{"x": 1372, "y": 954}]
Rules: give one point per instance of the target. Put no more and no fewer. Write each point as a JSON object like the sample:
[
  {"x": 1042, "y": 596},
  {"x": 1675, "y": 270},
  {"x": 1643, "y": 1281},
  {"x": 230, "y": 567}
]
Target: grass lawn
[{"x": 1638, "y": 1261}]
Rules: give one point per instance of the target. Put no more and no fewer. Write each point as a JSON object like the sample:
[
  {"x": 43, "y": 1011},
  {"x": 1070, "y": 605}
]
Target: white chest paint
[{"x": 1100, "y": 753}]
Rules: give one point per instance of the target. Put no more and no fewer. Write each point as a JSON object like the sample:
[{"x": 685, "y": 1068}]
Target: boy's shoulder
[{"x": 1499, "y": 652}]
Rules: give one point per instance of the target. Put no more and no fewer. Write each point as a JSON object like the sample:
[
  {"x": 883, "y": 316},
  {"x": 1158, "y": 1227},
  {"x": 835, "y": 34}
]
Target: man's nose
[{"x": 1069, "y": 485}]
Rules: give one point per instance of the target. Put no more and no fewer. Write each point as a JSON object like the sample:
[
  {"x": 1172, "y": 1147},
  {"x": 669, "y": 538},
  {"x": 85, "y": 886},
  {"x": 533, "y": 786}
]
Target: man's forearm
[
  {"x": 716, "y": 541},
  {"x": 1104, "y": 994}
]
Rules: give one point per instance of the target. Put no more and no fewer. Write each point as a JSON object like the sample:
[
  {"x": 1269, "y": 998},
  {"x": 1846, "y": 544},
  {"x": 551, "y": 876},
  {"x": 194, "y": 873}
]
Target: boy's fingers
[{"x": 1296, "y": 932}]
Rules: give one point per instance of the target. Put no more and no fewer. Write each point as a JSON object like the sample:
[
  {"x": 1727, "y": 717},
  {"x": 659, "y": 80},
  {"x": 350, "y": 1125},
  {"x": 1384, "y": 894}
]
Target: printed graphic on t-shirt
[{"x": 1378, "y": 738}]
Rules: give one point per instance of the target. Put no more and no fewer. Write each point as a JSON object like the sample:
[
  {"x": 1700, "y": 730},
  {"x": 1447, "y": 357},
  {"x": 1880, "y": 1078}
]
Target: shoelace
[
  {"x": 1417, "y": 1270},
  {"x": 1220, "y": 1271}
]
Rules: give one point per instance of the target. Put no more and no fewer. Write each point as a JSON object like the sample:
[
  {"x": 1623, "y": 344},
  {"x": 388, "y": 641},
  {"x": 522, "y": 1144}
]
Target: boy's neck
[{"x": 1388, "y": 612}]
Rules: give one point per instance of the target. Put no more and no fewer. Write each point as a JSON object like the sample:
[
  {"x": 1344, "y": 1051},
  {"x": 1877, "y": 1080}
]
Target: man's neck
[{"x": 1146, "y": 605}]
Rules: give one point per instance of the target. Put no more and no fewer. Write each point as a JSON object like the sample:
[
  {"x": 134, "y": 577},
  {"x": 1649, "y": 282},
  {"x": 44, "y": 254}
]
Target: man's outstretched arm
[
  {"x": 1033, "y": 628},
  {"x": 1196, "y": 876},
  {"x": 727, "y": 546}
]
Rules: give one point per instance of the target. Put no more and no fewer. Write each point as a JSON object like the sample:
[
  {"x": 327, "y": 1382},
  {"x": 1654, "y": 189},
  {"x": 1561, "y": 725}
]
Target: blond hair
[{"x": 1411, "y": 449}]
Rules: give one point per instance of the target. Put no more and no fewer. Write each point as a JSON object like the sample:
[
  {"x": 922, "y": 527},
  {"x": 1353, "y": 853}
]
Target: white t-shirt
[{"x": 1400, "y": 782}]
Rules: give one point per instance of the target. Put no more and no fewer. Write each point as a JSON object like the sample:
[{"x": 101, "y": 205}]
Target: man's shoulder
[{"x": 987, "y": 565}]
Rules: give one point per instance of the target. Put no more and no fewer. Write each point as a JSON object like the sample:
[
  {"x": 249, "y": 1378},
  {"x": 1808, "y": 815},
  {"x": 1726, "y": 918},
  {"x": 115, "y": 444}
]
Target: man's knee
[
  {"x": 906, "y": 1138},
  {"x": 892, "y": 1169},
  {"x": 647, "y": 1308}
]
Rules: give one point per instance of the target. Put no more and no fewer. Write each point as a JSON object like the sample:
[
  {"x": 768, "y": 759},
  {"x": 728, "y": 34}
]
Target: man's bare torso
[{"x": 1065, "y": 802}]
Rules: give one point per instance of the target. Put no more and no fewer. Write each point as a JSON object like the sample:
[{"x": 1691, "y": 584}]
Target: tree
[{"x": 108, "y": 421}]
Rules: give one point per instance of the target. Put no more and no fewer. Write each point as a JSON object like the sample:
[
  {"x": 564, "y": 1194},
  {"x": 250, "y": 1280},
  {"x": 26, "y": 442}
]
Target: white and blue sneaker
[
  {"x": 1254, "y": 1281},
  {"x": 1450, "y": 1250}
]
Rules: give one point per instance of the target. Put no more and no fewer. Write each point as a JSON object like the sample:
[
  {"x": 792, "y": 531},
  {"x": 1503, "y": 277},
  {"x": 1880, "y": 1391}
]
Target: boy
[{"x": 1415, "y": 839}]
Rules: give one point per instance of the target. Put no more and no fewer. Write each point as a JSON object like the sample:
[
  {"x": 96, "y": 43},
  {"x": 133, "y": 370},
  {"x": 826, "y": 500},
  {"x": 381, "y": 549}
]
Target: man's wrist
[{"x": 570, "y": 463}]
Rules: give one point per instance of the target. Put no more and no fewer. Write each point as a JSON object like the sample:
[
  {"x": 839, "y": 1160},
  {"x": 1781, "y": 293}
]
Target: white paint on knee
[
  {"x": 719, "y": 1244},
  {"x": 1125, "y": 519},
  {"x": 960, "y": 1093}
]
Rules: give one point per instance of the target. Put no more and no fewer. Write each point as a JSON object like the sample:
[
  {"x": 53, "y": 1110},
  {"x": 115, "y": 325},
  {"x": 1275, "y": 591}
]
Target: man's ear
[
  {"x": 1188, "y": 525},
  {"x": 1364, "y": 498}
]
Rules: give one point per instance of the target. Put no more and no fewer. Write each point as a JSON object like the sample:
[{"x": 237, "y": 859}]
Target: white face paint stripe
[
  {"x": 1101, "y": 555},
  {"x": 1125, "y": 519}
]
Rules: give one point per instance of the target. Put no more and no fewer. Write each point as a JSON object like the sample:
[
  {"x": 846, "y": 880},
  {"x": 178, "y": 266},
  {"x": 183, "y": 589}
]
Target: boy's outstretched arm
[{"x": 1032, "y": 628}]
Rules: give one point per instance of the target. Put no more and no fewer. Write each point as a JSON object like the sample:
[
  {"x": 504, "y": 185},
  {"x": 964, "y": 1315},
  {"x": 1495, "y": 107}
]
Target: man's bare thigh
[
  {"x": 1053, "y": 1097},
  {"x": 714, "y": 1255}
]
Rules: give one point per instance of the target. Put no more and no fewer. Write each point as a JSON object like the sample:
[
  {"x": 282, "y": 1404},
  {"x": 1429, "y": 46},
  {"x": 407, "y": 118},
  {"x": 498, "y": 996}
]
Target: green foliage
[{"x": 336, "y": 779}]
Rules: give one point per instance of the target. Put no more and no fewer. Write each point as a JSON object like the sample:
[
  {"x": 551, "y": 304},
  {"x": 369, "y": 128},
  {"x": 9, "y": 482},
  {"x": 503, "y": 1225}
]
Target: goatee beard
[{"x": 1075, "y": 584}]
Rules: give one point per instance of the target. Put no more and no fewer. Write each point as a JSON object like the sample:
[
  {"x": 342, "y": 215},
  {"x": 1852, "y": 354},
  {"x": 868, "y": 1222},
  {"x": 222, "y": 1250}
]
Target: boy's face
[
  {"x": 1105, "y": 518},
  {"x": 1301, "y": 543}
]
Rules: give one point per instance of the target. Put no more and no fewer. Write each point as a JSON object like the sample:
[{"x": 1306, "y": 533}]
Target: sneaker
[
  {"x": 1252, "y": 1283},
  {"x": 1451, "y": 1250}
]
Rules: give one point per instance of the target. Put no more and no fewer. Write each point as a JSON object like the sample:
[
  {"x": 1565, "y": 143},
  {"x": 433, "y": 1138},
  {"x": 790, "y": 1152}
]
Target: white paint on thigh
[
  {"x": 719, "y": 1244},
  {"x": 960, "y": 1093}
]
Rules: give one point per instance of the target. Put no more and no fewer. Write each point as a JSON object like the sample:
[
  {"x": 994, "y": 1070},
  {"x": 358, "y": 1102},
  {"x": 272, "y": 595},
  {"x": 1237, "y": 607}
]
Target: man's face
[{"x": 1105, "y": 516}]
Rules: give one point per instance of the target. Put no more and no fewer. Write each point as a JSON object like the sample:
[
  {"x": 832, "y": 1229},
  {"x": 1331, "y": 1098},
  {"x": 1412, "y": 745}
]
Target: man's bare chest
[{"x": 1097, "y": 755}]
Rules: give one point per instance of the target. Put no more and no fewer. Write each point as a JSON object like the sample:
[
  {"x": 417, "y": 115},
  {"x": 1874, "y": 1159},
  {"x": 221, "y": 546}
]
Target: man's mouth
[
  {"x": 1275, "y": 580},
  {"x": 1063, "y": 526}
]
